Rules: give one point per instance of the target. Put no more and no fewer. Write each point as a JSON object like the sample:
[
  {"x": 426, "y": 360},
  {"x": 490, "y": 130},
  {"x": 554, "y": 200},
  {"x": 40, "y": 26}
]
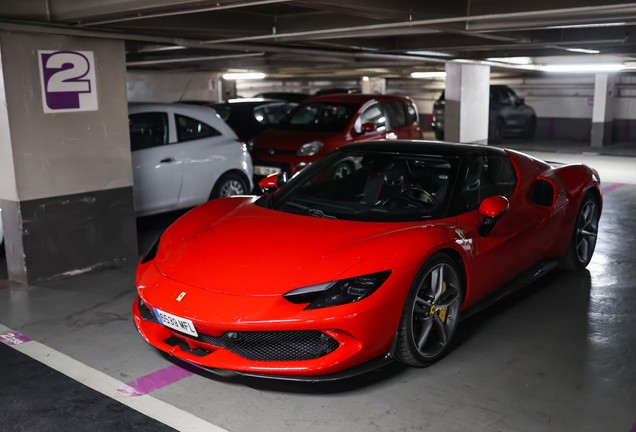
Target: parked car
[
  {"x": 384, "y": 262},
  {"x": 285, "y": 96},
  {"x": 508, "y": 115},
  {"x": 249, "y": 117},
  {"x": 183, "y": 156},
  {"x": 322, "y": 124}
]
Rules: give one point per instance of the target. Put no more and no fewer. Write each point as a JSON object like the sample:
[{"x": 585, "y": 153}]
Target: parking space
[{"x": 557, "y": 355}]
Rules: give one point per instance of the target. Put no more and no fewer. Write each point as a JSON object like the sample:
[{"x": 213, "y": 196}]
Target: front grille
[
  {"x": 264, "y": 345},
  {"x": 146, "y": 314},
  {"x": 275, "y": 345}
]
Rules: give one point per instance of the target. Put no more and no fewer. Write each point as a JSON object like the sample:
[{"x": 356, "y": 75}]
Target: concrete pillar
[
  {"x": 65, "y": 165},
  {"x": 227, "y": 90},
  {"x": 603, "y": 111},
  {"x": 373, "y": 86},
  {"x": 467, "y": 97}
]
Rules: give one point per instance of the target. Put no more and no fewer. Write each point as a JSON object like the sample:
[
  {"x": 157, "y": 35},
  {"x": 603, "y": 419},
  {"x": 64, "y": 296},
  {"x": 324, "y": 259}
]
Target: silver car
[{"x": 183, "y": 156}]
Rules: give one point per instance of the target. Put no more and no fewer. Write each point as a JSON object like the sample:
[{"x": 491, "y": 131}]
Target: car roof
[
  {"x": 428, "y": 148},
  {"x": 356, "y": 98},
  {"x": 159, "y": 105}
]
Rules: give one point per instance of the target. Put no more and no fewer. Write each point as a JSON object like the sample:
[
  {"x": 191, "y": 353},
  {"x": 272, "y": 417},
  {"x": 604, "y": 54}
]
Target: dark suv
[{"x": 508, "y": 115}]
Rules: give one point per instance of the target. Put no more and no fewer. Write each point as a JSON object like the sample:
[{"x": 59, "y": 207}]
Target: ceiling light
[
  {"x": 429, "y": 53},
  {"x": 512, "y": 60},
  {"x": 365, "y": 78},
  {"x": 439, "y": 74},
  {"x": 589, "y": 25},
  {"x": 244, "y": 75},
  {"x": 583, "y": 50},
  {"x": 608, "y": 67}
]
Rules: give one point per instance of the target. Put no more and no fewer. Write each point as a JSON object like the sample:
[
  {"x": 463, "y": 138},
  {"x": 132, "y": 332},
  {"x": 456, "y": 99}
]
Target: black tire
[
  {"x": 531, "y": 128},
  {"x": 425, "y": 331},
  {"x": 583, "y": 240},
  {"x": 498, "y": 132},
  {"x": 229, "y": 184},
  {"x": 439, "y": 135}
]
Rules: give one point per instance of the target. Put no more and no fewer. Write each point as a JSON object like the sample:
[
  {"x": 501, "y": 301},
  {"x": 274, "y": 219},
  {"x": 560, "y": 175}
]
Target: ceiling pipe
[
  {"x": 206, "y": 8},
  {"x": 427, "y": 22},
  {"x": 191, "y": 59}
]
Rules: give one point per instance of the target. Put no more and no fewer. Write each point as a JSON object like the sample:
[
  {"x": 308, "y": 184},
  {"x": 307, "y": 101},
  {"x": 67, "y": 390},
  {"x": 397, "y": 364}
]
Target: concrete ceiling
[{"x": 337, "y": 37}]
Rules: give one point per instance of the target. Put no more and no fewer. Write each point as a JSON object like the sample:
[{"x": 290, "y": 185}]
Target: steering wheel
[
  {"x": 412, "y": 200},
  {"x": 431, "y": 197},
  {"x": 408, "y": 199}
]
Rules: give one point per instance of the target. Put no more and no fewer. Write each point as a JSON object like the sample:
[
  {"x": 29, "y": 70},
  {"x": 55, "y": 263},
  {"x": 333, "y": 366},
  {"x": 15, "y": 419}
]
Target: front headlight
[
  {"x": 337, "y": 292},
  {"x": 310, "y": 149},
  {"x": 251, "y": 143}
]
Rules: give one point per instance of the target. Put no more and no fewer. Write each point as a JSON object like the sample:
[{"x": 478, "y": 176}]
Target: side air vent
[{"x": 543, "y": 193}]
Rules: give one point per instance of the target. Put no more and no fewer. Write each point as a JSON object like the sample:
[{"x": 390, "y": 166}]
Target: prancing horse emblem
[{"x": 182, "y": 295}]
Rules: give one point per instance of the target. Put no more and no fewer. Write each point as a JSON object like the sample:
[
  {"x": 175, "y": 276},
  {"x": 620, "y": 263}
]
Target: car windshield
[
  {"x": 320, "y": 117},
  {"x": 370, "y": 186}
]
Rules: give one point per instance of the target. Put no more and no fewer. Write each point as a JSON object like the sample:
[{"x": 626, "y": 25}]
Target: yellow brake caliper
[{"x": 442, "y": 311}]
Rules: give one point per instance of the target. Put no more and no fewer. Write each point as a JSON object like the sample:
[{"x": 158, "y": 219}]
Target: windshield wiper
[{"x": 311, "y": 211}]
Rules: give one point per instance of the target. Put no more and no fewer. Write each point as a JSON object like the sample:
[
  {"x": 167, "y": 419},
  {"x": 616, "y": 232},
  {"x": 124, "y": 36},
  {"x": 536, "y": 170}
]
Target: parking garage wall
[{"x": 168, "y": 87}]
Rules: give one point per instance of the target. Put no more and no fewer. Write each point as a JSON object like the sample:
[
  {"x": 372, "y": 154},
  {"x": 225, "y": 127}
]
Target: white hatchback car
[{"x": 183, "y": 156}]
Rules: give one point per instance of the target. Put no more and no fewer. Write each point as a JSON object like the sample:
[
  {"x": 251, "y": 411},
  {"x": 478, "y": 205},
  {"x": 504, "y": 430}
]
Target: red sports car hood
[
  {"x": 291, "y": 140},
  {"x": 233, "y": 246}
]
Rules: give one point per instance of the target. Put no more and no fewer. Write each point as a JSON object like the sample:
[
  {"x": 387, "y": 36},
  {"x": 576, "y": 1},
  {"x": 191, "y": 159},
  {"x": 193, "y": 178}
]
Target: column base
[
  {"x": 70, "y": 234},
  {"x": 601, "y": 134}
]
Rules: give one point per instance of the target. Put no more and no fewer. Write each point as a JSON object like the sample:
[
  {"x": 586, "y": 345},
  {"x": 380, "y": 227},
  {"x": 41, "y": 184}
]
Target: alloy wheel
[
  {"x": 435, "y": 310},
  {"x": 231, "y": 188},
  {"x": 586, "y": 232}
]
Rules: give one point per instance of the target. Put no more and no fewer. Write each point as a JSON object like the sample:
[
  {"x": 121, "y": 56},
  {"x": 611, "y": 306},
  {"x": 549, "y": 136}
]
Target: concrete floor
[{"x": 559, "y": 356}]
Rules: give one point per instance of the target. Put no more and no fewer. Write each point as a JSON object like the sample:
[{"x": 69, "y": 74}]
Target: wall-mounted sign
[
  {"x": 590, "y": 101},
  {"x": 67, "y": 79}
]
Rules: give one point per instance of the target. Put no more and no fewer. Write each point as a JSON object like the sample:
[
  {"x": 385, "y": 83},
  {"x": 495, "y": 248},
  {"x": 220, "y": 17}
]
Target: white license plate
[
  {"x": 176, "y": 323},
  {"x": 265, "y": 170}
]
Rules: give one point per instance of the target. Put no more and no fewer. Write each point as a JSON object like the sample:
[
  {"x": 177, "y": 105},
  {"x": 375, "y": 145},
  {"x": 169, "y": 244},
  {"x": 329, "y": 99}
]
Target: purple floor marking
[
  {"x": 155, "y": 381},
  {"x": 612, "y": 187},
  {"x": 13, "y": 338},
  {"x": 633, "y": 428},
  {"x": 4, "y": 286}
]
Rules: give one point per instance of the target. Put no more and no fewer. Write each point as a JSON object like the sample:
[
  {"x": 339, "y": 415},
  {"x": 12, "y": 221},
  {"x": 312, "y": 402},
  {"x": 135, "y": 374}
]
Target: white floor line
[{"x": 99, "y": 381}]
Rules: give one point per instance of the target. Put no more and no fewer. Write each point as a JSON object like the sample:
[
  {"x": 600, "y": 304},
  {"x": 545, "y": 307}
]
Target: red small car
[{"x": 322, "y": 124}]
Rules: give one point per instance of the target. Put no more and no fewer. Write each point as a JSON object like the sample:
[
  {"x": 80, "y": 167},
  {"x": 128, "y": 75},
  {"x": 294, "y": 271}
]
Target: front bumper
[{"x": 364, "y": 331}]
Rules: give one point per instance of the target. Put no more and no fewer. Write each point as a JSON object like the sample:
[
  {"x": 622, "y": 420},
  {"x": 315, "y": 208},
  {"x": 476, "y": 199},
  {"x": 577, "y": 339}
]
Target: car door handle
[{"x": 167, "y": 160}]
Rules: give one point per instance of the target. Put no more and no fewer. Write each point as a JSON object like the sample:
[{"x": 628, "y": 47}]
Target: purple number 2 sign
[{"x": 68, "y": 81}]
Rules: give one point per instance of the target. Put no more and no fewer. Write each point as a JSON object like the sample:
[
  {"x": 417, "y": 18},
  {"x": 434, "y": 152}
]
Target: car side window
[
  {"x": 191, "y": 129},
  {"x": 223, "y": 112},
  {"x": 396, "y": 113},
  {"x": 148, "y": 130},
  {"x": 488, "y": 176},
  {"x": 498, "y": 94},
  {"x": 514, "y": 99},
  {"x": 270, "y": 114},
  {"x": 411, "y": 113},
  {"x": 373, "y": 114}
]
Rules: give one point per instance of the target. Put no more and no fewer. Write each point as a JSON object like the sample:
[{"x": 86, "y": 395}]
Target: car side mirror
[
  {"x": 492, "y": 209},
  {"x": 368, "y": 127},
  {"x": 273, "y": 182},
  {"x": 520, "y": 102}
]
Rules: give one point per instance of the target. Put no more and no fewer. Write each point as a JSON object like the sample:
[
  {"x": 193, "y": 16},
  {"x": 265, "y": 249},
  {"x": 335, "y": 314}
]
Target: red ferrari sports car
[{"x": 329, "y": 276}]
